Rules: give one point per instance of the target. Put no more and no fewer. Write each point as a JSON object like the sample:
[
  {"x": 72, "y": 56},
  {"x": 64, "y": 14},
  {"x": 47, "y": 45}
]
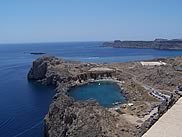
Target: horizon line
[
  {"x": 79, "y": 41},
  {"x": 14, "y": 43}
]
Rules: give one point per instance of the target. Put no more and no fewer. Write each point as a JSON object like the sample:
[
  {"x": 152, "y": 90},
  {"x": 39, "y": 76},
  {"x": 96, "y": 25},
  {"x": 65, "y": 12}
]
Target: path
[
  {"x": 154, "y": 92},
  {"x": 169, "y": 125}
]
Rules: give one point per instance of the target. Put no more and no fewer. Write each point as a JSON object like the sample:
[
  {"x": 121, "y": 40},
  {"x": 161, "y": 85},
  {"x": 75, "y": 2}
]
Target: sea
[{"x": 24, "y": 104}]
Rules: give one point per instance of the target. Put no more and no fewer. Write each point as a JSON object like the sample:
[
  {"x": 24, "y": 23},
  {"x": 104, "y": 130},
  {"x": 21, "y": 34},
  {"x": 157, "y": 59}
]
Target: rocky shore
[
  {"x": 161, "y": 44},
  {"x": 150, "y": 91}
]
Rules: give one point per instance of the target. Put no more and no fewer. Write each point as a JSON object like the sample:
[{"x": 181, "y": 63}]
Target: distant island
[
  {"x": 161, "y": 44},
  {"x": 37, "y": 53}
]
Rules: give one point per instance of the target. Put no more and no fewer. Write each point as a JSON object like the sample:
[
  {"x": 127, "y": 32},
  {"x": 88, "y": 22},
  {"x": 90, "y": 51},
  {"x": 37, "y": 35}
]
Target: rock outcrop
[
  {"x": 39, "y": 69},
  {"x": 69, "y": 118}
]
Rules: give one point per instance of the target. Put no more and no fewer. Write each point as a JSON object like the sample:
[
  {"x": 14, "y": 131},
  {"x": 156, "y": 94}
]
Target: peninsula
[
  {"x": 161, "y": 44},
  {"x": 151, "y": 88}
]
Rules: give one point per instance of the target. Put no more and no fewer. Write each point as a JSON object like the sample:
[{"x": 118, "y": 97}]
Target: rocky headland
[
  {"x": 151, "y": 88},
  {"x": 161, "y": 44}
]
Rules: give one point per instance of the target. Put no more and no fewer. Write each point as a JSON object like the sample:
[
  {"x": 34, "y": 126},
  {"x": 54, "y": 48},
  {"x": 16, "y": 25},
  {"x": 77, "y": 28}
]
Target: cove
[{"x": 104, "y": 92}]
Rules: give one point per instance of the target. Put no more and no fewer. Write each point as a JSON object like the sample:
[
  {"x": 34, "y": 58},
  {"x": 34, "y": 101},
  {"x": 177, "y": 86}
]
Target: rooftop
[
  {"x": 101, "y": 69},
  {"x": 152, "y": 63}
]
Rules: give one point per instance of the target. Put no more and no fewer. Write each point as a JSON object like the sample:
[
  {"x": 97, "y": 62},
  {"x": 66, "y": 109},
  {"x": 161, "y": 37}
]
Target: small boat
[{"x": 99, "y": 84}]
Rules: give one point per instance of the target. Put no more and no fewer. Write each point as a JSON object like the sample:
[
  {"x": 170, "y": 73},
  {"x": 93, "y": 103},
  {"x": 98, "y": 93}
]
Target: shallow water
[
  {"x": 105, "y": 93},
  {"x": 23, "y": 104}
]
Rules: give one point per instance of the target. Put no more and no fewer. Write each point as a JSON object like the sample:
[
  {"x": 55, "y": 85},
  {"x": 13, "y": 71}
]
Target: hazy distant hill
[{"x": 174, "y": 44}]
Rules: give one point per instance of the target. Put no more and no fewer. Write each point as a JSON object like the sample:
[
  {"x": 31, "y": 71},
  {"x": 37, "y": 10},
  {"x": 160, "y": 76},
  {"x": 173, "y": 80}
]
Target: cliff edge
[{"x": 151, "y": 88}]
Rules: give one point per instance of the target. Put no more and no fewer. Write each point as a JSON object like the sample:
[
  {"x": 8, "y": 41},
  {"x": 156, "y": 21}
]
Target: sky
[{"x": 26, "y": 21}]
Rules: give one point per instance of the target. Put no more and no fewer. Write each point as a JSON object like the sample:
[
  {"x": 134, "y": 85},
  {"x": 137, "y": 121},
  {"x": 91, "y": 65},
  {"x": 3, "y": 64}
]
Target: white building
[{"x": 153, "y": 63}]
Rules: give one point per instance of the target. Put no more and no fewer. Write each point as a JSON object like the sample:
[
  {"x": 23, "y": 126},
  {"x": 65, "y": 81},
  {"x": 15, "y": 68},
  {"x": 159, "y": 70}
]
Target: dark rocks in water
[
  {"x": 162, "y": 44},
  {"x": 37, "y": 53}
]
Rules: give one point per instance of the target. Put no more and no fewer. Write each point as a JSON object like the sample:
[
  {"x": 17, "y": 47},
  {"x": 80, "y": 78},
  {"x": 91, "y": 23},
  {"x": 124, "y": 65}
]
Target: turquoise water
[
  {"x": 105, "y": 93},
  {"x": 23, "y": 105}
]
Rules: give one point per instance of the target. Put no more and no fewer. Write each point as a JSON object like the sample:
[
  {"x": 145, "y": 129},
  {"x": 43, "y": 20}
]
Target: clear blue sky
[{"x": 89, "y": 20}]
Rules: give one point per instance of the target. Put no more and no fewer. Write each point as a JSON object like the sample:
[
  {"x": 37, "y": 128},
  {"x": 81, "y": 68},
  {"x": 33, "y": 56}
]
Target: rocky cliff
[
  {"x": 67, "y": 118},
  {"x": 146, "y": 88}
]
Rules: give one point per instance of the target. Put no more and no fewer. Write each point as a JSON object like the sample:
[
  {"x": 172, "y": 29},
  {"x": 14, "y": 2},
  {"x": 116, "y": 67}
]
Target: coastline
[
  {"x": 158, "y": 44},
  {"x": 52, "y": 72}
]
